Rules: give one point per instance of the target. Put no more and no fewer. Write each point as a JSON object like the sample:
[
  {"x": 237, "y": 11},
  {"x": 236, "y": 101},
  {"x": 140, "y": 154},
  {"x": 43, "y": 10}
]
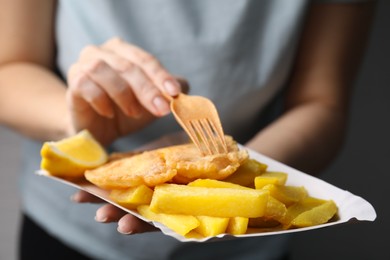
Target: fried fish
[{"x": 178, "y": 164}]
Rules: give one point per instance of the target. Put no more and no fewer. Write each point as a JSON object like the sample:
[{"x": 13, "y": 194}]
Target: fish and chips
[{"x": 201, "y": 196}]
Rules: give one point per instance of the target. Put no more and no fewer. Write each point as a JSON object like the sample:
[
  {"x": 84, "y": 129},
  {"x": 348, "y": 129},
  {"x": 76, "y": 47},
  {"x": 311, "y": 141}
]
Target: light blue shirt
[{"x": 239, "y": 53}]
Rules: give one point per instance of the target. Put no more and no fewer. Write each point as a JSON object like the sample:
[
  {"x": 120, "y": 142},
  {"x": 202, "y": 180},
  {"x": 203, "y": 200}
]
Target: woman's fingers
[
  {"x": 85, "y": 197},
  {"x": 113, "y": 85},
  {"x": 109, "y": 213},
  {"x": 84, "y": 93},
  {"x": 132, "y": 77},
  {"x": 127, "y": 223},
  {"x": 146, "y": 92},
  {"x": 123, "y": 58},
  {"x": 100, "y": 85},
  {"x": 148, "y": 63},
  {"x": 130, "y": 224},
  {"x": 125, "y": 82}
]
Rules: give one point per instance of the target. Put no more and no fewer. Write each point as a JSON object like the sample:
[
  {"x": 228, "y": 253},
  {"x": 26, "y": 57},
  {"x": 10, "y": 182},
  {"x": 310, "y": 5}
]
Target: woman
[{"x": 280, "y": 73}]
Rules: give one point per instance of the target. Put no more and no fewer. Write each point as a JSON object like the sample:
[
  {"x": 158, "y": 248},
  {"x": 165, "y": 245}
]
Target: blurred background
[{"x": 361, "y": 167}]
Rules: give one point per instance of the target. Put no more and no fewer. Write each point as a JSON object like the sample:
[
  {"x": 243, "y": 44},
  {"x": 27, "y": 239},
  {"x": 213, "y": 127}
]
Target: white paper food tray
[{"x": 350, "y": 206}]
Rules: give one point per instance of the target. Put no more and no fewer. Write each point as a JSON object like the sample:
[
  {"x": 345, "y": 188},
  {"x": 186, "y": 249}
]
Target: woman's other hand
[{"x": 127, "y": 223}]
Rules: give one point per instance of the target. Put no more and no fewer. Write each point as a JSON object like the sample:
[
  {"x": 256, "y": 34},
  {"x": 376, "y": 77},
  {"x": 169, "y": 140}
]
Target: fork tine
[
  {"x": 205, "y": 123},
  {"x": 219, "y": 133},
  {"x": 202, "y": 124},
  {"x": 192, "y": 131},
  {"x": 201, "y": 135},
  {"x": 208, "y": 138}
]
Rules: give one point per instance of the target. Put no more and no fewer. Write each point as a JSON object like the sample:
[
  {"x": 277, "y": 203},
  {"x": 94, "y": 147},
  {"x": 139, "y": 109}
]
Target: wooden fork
[{"x": 199, "y": 118}]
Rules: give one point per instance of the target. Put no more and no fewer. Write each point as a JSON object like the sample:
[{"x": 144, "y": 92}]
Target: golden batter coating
[
  {"x": 191, "y": 165},
  {"x": 147, "y": 168},
  {"x": 178, "y": 164}
]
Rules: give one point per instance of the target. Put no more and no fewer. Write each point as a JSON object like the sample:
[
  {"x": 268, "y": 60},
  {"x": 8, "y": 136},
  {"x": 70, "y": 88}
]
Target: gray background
[{"x": 361, "y": 168}]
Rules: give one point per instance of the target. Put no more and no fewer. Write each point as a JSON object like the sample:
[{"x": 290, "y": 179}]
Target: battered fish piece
[
  {"x": 147, "y": 168},
  {"x": 179, "y": 164},
  {"x": 191, "y": 165}
]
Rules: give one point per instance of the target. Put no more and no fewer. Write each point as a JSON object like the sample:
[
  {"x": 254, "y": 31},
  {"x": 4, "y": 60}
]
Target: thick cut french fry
[
  {"x": 275, "y": 209},
  {"x": 286, "y": 194},
  {"x": 274, "y": 214},
  {"x": 209, "y": 183},
  {"x": 237, "y": 226},
  {"x": 181, "y": 224},
  {"x": 278, "y": 178},
  {"x": 132, "y": 197},
  {"x": 316, "y": 216},
  {"x": 214, "y": 202},
  {"x": 246, "y": 173},
  {"x": 211, "y": 226},
  {"x": 298, "y": 208}
]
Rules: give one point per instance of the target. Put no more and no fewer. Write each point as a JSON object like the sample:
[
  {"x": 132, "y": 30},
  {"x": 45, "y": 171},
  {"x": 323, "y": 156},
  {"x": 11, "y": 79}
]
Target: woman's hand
[
  {"x": 118, "y": 88},
  {"x": 115, "y": 89},
  {"x": 127, "y": 223}
]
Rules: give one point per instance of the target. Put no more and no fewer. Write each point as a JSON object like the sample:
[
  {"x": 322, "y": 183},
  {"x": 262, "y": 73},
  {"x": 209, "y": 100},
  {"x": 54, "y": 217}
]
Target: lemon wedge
[{"x": 70, "y": 157}]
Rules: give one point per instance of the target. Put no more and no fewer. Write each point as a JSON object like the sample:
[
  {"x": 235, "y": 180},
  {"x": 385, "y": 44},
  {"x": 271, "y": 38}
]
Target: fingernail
[
  {"x": 161, "y": 105},
  {"x": 172, "y": 87},
  {"x": 125, "y": 233},
  {"x": 73, "y": 198},
  {"x": 100, "y": 219}
]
